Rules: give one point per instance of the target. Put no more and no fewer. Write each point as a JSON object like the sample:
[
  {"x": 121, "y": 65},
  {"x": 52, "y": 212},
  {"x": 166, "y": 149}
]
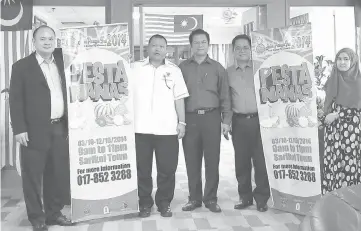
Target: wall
[
  {"x": 245, "y": 2},
  {"x": 70, "y": 2},
  {"x": 274, "y": 5},
  {"x": 250, "y": 16},
  {"x": 358, "y": 13},
  {"x": 202, "y": 2},
  {"x": 323, "y": 28},
  {"x": 276, "y": 8},
  {"x": 322, "y": 2},
  {"x": 53, "y": 23},
  {"x": 213, "y": 22},
  {"x": 120, "y": 11}
]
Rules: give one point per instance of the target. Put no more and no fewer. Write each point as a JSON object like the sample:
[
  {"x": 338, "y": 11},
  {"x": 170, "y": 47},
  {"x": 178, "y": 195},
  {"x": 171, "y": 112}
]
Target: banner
[
  {"x": 286, "y": 98},
  {"x": 103, "y": 173}
]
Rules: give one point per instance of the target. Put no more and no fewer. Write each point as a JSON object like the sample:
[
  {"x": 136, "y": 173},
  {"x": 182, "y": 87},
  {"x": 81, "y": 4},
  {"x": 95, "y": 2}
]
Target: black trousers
[
  {"x": 247, "y": 143},
  {"x": 166, "y": 149},
  {"x": 202, "y": 138},
  {"x": 48, "y": 170}
]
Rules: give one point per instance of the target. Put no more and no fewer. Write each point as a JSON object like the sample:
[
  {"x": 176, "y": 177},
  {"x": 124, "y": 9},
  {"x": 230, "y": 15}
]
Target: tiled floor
[{"x": 13, "y": 214}]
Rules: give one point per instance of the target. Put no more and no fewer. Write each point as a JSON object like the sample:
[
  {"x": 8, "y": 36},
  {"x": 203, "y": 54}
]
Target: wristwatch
[{"x": 183, "y": 123}]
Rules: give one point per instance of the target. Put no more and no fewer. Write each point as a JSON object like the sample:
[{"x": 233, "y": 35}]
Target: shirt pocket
[
  {"x": 168, "y": 83},
  {"x": 210, "y": 81}
]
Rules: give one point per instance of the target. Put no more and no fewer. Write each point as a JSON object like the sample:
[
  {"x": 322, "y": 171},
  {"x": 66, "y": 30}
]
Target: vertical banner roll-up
[
  {"x": 101, "y": 130},
  {"x": 286, "y": 98}
]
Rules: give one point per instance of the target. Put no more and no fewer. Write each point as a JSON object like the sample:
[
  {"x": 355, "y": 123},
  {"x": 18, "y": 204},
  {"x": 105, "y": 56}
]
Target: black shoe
[
  {"x": 165, "y": 211},
  {"x": 262, "y": 208},
  {"x": 144, "y": 211},
  {"x": 40, "y": 227},
  {"x": 192, "y": 205},
  {"x": 242, "y": 204},
  {"x": 59, "y": 220},
  {"x": 213, "y": 207}
]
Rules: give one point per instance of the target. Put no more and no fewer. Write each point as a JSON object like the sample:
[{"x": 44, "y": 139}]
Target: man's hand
[
  {"x": 331, "y": 117},
  {"x": 22, "y": 138},
  {"x": 181, "y": 130},
  {"x": 225, "y": 130}
]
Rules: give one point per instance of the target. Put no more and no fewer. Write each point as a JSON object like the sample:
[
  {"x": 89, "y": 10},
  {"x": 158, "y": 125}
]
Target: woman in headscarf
[{"x": 342, "y": 154}]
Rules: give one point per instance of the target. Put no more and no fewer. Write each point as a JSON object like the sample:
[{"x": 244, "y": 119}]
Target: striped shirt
[{"x": 243, "y": 94}]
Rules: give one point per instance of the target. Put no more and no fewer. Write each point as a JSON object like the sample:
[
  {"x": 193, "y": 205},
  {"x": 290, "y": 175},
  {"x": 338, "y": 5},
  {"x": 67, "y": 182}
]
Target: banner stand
[
  {"x": 103, "y": 173},
  {"x": 286, "y": 100}
]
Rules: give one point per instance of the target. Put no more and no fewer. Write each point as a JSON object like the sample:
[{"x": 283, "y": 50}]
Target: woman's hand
[{"x": 331, "y": 117}]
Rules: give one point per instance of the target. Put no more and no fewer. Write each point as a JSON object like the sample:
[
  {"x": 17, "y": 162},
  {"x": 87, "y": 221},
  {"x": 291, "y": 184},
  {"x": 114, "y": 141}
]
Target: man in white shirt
[
  {"x": 159, "y": 124},
  {"x": 39, "y": 120}
]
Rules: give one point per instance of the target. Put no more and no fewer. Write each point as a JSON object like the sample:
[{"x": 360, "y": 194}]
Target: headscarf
[{"x": 344, "y": 87}]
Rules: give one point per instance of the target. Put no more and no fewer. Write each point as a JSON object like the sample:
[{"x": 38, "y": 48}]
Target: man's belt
[
  {"x": 56, "y": 121},
  {"x": 203, "y": 111},
  {"x": 247, "y": 116}
]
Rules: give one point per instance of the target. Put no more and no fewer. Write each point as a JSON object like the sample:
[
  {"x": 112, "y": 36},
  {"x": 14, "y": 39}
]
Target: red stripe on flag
[
  {"x": 163, "y": 25},
  {"x": 16, "y": 45}
]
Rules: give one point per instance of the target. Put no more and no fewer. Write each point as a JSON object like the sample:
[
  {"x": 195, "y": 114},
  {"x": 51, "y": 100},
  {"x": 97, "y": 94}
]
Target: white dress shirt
[
  {"x": 155, "y": 91},
  {"x": 53, "y": 79}
]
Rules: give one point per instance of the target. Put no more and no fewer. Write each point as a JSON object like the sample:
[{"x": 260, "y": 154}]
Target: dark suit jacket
[{"x": 30, "y": 102}]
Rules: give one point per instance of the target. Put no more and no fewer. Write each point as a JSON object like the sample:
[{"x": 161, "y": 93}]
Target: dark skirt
[{"x": 342, "y": 153}]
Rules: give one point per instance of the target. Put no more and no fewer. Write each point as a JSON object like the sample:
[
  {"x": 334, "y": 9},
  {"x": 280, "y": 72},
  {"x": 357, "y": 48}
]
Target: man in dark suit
[{"x": 39, "y": 120}]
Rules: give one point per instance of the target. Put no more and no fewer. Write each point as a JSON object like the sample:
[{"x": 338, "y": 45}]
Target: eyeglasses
[
  {"x": 242, "y": 48},
  {"x": 199, "y": 43}
]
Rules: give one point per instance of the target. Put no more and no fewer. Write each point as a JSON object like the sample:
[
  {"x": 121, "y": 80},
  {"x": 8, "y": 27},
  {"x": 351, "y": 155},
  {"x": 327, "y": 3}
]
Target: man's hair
[
  {"x": 241, "y": 36},
  {"x": 157, "y": 36},
  {"x": 40, "y": 27},
  {"x": 198, "y": 32}
]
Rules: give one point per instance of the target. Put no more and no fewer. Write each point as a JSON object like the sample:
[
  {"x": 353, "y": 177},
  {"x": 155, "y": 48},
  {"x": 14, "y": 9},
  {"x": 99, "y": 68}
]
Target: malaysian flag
[
  {"x": 16, "y": 15},
  {"x": 175, "y": 28},
  {"x": 14, "y": 45}
]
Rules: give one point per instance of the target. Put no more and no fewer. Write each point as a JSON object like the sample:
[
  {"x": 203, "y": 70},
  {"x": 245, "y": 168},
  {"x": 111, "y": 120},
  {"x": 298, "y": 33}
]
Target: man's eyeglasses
[
  {"x": 242, "y": 48},
  {"x": 199, "y": 43}
]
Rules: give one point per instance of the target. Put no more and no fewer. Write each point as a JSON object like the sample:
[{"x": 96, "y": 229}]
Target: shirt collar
[
  {"x": 147, "y": 62},
  {"x": 207, "y": 59},
  {"x": 41, "y": 59},
  {"x": 249, "y": 64}
]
